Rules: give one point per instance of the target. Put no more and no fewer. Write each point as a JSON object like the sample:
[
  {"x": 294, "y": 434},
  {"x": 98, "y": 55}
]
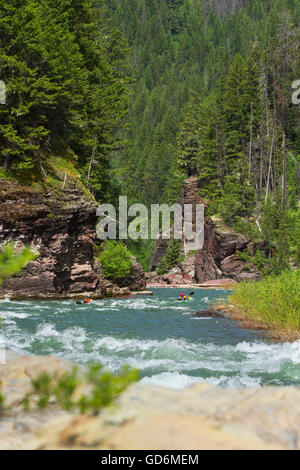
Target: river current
[{"x": 157, "y": 335}]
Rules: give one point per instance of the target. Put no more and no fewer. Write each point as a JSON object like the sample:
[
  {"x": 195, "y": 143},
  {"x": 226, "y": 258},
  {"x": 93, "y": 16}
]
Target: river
[{"x": 157, "y": 335}]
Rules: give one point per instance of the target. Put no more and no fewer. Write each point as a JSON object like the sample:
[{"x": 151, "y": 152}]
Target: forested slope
[
  {"x": 202, "y": 88},
  {"x": 213, "y": 97},
  {"x": 64, "y": 69},
  {"x": 181, "y": 47}
]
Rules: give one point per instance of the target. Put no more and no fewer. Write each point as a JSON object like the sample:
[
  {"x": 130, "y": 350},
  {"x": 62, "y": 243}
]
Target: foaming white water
[
  {"x": 171, "y": 380},
  {"x": 47, "y": 330},
  {"x": 177, "y": 381},
  {"x": 238, "y": 381},
  {"x": 75, "y": 333},
  {"x": 270, "y": 355},
  {"x": 142, "y": 303},
  {"x": 170, "y": 362},
  {"x": 140, "y": 346},
  {"x": 8, "y": 322},
  {"x": 13, "y": 314},
  {"x": 158, "y": 336}
]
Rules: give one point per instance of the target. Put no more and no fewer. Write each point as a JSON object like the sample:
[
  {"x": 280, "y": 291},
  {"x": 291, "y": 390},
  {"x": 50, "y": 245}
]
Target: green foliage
[
  {"x": 11, "y": 262},
  {"x": 233, "y": 202},
  {"x": 293, "y": 217},
  {"x": 162, "y": 267},
  {"x": 65, "y": 73},
  {"x": 65, "y": 390},
  {"x": 188, "y": 141},
  {"x": 106, "y": 387},
  {"x": 182, "y": 50},
  {"x": 259, "y": 260},
  {"x": 244, "y": 256},
  {"x": 42, "y": 387},
  {"x": 116, "y": 260},
  {"x": 273, "y": 302},
  {"x": 280, "y": 231},
  {"x": 211, "y": 98},
  {"x": 271, "y": 215},
  {"x": 247, "y": 227},
  {"x": 172, "y": 258},
  {"x": 142, "y": 250}
]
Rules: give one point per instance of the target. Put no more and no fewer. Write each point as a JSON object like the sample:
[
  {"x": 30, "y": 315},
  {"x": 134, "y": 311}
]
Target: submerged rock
[{"x": 210, "y": 314}]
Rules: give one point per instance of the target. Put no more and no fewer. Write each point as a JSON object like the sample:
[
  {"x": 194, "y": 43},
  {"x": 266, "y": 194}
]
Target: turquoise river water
[{"x": 155, "y": 334}]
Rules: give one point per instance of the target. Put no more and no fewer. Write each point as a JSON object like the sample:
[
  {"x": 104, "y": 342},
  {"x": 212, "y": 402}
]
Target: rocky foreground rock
[{"x": 200, "y": 417}]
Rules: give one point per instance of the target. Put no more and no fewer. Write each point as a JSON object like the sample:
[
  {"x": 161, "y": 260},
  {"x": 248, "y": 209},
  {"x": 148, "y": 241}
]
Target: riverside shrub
[
  {"x": 116, "y": 260},
  {"x": 12, "y": 262},
  {"x": 273, "y": 302}
]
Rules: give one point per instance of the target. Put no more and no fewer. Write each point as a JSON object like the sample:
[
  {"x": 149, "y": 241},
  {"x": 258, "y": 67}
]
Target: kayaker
[{"x": 183, "y": 297}]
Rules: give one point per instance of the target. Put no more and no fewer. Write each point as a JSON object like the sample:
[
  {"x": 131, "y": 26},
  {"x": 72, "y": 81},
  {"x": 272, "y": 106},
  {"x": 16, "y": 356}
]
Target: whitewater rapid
[{"x": 156, "y": 335}]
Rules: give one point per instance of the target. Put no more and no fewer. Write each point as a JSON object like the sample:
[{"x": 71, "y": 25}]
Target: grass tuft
[
  {"x": 104, "y": 388},
  {"x": 273, "y": 304}
]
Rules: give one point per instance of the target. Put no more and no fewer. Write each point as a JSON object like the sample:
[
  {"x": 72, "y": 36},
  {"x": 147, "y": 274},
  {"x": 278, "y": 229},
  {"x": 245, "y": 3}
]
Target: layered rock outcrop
[
  {"x": 61, "y": 227},
  {"x": 220, "y": 256}
]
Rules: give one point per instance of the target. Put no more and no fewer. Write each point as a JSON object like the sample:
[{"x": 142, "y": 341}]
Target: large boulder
[
  {"x": 234, "y": 267},
  {"x": 201, "y": 417},
  {"x": 206, "y": 267}
]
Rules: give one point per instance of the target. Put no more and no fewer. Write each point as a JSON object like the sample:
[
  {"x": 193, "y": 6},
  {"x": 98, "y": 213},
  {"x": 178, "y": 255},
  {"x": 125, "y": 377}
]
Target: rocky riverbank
[
  {"x": 60, "y": 225},
  {"x": 200, "y": 417},
  {"x": 275, "y": 333},
  {"x": 153, "y": 280}
]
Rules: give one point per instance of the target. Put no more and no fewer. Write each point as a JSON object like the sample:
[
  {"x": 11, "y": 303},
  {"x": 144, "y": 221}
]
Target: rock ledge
[{"x": 200, "y": 417}]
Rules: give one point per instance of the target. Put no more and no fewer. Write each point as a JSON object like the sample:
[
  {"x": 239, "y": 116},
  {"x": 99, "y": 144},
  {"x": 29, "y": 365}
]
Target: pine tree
[
  {"x": 23, "y": 126},
  {"x": 189, "y": 137},
  {"x": 65, "y": 71}
]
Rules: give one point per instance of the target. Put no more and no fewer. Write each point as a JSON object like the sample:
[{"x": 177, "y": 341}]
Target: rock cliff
[
  {"x": 220, "y": 256},
  {"x": 60, "y": 226}
]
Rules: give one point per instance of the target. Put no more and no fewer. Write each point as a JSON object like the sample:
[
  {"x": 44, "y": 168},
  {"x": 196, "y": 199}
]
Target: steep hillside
[
  {"x": 182, "y": 48},
  {"x": 212, "y": 98}
]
